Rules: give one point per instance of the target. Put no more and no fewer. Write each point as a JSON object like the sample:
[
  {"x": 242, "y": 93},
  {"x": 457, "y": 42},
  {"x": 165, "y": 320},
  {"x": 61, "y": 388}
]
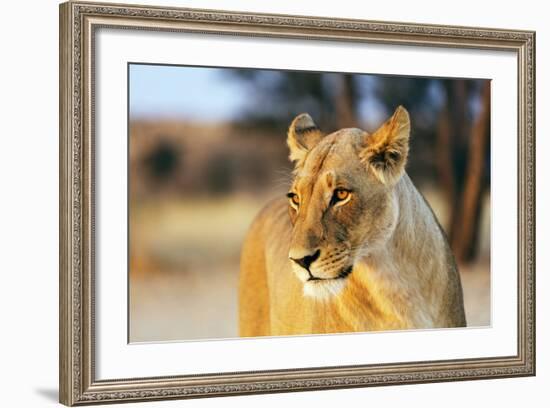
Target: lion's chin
[{"x": 324, "y": 289}]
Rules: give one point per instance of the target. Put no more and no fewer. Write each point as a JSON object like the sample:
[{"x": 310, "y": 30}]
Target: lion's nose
[{"x": 307, "y": 260}]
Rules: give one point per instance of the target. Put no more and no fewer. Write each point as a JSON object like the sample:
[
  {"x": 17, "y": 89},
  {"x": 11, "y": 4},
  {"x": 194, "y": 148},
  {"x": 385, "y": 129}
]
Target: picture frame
[{"x": 79, "y": 25}]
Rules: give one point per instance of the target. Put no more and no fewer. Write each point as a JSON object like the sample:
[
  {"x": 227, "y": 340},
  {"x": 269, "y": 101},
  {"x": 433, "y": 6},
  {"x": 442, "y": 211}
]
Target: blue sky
[
  {"x": 184, "y": 92},
  {"x": 208, "y": 94}
]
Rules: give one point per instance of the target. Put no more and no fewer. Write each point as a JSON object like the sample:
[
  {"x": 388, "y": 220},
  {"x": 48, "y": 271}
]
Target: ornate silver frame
[{"x": 78, "y": 22}]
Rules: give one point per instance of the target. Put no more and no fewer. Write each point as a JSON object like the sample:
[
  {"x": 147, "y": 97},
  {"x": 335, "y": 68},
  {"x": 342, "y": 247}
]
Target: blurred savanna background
[{"x": 207, "y": 149}]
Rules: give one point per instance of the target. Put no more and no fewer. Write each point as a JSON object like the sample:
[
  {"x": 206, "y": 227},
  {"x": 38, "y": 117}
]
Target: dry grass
[{"x": 184, "y": 268}]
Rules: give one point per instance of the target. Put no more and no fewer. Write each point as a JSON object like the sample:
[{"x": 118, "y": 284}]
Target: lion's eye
[
  {"x": 340, "y": 196},
  {"x": 294, "y": 199}
]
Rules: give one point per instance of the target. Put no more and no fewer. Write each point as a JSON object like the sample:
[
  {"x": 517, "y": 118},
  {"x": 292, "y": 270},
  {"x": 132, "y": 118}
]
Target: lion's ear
[
  {"x": 386, "y": 150},
  {"x": 303, "y": 134}
]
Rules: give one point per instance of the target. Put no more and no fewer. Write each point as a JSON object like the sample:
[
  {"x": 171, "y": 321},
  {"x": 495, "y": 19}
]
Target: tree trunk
[
  {"x": 457, "y": 97},
  {"x": 450, "y": 149},
  {"x": 345, "y": 102},
  {"x": 444, "y": 161},
  {"x": 466, "y": 237}
]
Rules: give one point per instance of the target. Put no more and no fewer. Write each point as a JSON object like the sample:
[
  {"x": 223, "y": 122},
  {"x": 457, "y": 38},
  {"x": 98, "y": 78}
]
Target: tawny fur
[{"x": 403, "y": 274}]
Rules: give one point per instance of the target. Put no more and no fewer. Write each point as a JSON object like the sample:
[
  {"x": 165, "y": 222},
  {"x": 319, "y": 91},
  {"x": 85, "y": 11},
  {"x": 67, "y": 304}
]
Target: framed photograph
[{"x": 256, "y": 203}]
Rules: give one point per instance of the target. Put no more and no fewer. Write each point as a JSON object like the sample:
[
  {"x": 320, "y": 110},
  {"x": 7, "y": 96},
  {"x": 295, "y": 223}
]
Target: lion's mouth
[{"x": 344, "y": 273}]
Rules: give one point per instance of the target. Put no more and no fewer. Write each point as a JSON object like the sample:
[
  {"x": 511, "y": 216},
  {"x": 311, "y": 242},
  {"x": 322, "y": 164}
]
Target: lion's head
[{"x": 342, "y": 202}]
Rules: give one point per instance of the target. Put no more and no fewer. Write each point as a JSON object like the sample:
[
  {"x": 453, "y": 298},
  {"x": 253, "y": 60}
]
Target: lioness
[{"x": 354, "y": 247}]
